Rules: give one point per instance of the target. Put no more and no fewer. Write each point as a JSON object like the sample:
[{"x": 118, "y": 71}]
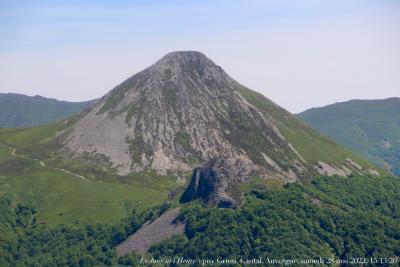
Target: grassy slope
[
  {"x": 312, "y": 145},
  {"x": 23, "y": 111},
  {"x": 363, "y": 126},
  {"x": 64, "y": 198}
]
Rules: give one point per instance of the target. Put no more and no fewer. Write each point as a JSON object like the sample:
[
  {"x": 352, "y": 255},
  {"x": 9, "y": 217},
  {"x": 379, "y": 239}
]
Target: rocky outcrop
[{"x": 212, "y": 180}]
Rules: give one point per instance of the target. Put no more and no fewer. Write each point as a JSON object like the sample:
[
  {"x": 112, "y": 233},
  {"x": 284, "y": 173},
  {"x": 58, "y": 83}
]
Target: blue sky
[{"x": 298, "y": 53}]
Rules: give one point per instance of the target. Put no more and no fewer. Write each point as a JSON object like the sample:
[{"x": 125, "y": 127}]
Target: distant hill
[
  {"x": 18, "y": 110},
  {"x": 369, "y": 127}
]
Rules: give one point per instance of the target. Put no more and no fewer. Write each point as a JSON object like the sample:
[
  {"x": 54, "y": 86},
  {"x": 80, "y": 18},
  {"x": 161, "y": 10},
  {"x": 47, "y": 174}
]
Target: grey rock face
[
  {"x": 177, "y": 113},
  {"x": 152, "y": 233},
  {"x": 211, "y": 181},
  {"x": 180, "y": 112},
  {"x": 183, "y": 113}
]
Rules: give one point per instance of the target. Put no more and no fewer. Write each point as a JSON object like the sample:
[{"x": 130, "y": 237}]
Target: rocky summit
[{"x": 184, "y": 112}]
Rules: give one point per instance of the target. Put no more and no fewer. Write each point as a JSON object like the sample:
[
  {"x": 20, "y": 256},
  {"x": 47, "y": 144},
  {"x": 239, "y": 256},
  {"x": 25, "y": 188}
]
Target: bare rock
[
  {"x": 152, "y": 233},
  {"x": 182, "y": 111},
  {"x": 212, "y": 180},
  {"x": 179, "y": 112}
]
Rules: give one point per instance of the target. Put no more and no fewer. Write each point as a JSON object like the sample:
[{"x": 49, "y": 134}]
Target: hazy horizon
[
  {"x": 299, "y": 54},
  {"x": 357, "y": 99}
]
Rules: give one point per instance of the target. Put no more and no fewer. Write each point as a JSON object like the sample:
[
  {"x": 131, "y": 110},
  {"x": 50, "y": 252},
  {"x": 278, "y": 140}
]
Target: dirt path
[
  {"x": 151, "y": 233},
  {"x": 14, "y": 153}
]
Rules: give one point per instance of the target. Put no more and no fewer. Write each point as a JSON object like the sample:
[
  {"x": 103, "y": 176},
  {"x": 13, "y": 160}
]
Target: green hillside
[
  {"x": 59, "y": 211},
  {"x": 332, "y": 218},
  {"x": 310, "y": 144},
  {"x": 24, "y": 111},
  {"x": 64, "y": 198},
  {"x": 369, "y": 127}
]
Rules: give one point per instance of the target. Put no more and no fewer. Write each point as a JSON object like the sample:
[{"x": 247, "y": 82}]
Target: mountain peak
[
  {"x": 183, "y": 111},
  {"x": 185, "y": 56},
  {"x": 189, "y": 62}
]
